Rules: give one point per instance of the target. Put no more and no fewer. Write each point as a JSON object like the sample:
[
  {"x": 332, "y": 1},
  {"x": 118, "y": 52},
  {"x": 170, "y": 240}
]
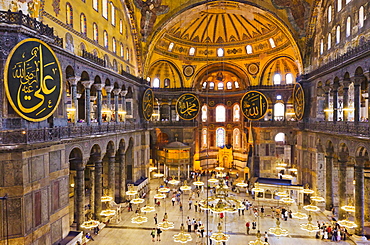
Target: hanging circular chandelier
[
  {"x": 158, "y": 175},
  {"x": 166, "y": 225},
  {"x": 307, "y": 190},
  {"x": 348, "y": 208},
  {"x": 299, "y": 215},
  {"x": 152, "y": 168},
  {"x": 309, "y": 226},
  {"x": 159, "y": 196},
  {"x": 139, "y": 219},
  {"x": 256, "y": 188},
  {"x": 147, "y": 209},
  {"x": 164, "y": 189},
  {"x": 347, "y": 223},
  {"x": 185, "y": 187},
  {"x": 258, "y": 241},
  {"x": 219, "y": 236},
  {"x": 182, "y": 237},
  {"x": 198, "y": 182},
  {"x": 221, "y": 202},
  {"x": 219, "y": 168},
  {"x": 131, "y": 190},
  {"x": 287, "y": 200},
  {"x": 277, "y": 230},
  {"x": 213, "y": 179},
  {"x": 311, "y": 208},
  {"x": 108, "y": 212},
  {"x": 106, "y": 198},
  {"x": 137, "y": 201},
  {"x": 242, "y": 184},
  {"x": 173, "y": 181}
]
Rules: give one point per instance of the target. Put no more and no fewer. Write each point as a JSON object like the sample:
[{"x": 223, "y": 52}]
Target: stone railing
[
  {"x": 25, "y": 136},
  {"x": 173, "y": 123},
  {"x": 343, "y": 128},
  {"x": 18, "y": 18},
  {"x": 93, "y": 58}
]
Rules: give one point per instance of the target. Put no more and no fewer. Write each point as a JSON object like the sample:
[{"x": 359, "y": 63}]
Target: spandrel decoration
[
  {"x": 33, "y": 80},
  {"x": 254, "y": 105},
  {"x": 298, "y": 101},
  {"x": 187, "y": 106},
  {"x": 148, "y": 104}
]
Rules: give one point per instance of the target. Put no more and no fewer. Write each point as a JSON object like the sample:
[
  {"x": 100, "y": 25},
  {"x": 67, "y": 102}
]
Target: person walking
[
  {"x": 159, "y": 231},
  {"x": 156, "y": 218},
  {"x": 196, "y": 206},
  {"x": 190, "y": 202},
  {"x": 188, "y": 222},
  {"x": 153, "y": 235},
  {"x": 209, "y": 237},
  {"x": 248, "y": 226},
  {"x": 266, "y": 237},
  {"x": 173, "y": 201}
]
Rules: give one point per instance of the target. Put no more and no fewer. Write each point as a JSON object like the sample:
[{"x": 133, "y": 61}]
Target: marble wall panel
[
  {"x": 54, "y": 161},
  {"x": 56, "y": 231},
  {"x": 64, "y": 192},
  {"x": 36, "y": 165},
  {"x": 28, "y": 212}
]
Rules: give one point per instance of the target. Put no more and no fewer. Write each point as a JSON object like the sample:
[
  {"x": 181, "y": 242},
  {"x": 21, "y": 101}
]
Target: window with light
[
  {"x": 220, "y": 137},
  {"x": 220, "y": 86},
  {"x": 249, "y": 49},
  {"x": 229, "y": 85},
  {"x": 361, "y": 17},
  {"x": 339, "y": 5},
  {"x": 272, "y": 43},
  {"x": 204, "y": 113},
  {"x": 204, "y": 138},
  {"x": 95, "y": 4},
  {"x": 170, "y": 47},
  {"x": 329, "y": 41},
  {"x": 69, "y": 15},
  {"x": 277, "y": 79},
  {"x": 105, "y": 39},
  {"x": 95, "y": 32},
  {"x": 105, "y": 8},
  {"x": 220, "y": 52},
  {"x": 83, "y": 24},
  {"x": 236, "y": 138},
  {"x": 337, "y": 38},
  {"x": 156, "y": 82},
  {"x": 122, "y": 51},
  {"x": 236, "y": 113},
  {"x": 211, "y": 85},
  {"x": 329, "y": 14},
  {"x": 220, "y": 113},
  {"x": 114, "y": 45},
  {"x": 348, "y": 27},
  {"x": 236, "y": 84},
  {"x": 192, "y": 51},
  {"x": 113, "y": 14},
  {"x": 279, "y": 111},
  {"x": 289, "y": 78}
]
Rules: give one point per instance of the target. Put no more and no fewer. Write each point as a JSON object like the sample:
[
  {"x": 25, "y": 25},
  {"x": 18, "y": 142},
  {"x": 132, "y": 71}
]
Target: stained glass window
[{"x": 220, "y": 137}]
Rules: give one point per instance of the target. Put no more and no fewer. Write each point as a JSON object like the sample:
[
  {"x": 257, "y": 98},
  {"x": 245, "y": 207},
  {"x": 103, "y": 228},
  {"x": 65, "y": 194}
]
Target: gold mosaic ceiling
[{"x": 221, "y": 23}]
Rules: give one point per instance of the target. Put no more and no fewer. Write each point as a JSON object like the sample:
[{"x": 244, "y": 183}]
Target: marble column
[
  {"x": 87, "y": 85},
  {"x": 92, "y": 188},
  {"x": 327, "y": 95},
  {"x": 98, "y": 188},
  {"x": 80, "y": 197},
  {"x": 335, "y": 102},
  {"x": 116, "y": 92},
  {"x": 329, "y": 182},
  {"x": 342, "y": 187},
  {"x": 123, "y": 94},
  {"x": 111, "y": 175},
  {"x": 359, "y": 196},
  {"x": 73, "y": 81},
  {"x": 346, "y": 84},
  {"x": 122, "y": 178},
  {"x": 357, "y": 97},
  {"x": 99, "y": 87},
  {"x": 109, "y": 89}
]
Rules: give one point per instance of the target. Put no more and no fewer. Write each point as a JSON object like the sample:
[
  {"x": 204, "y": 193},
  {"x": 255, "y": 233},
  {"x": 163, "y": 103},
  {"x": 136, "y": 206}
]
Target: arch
[
  {"x": 164, "y": 69},
  {"x": 75, "y": 159},
  {"x": 281, "y": 65},
  {"x": 69, "y": 72},
  {"x": 130, "y": 161}
]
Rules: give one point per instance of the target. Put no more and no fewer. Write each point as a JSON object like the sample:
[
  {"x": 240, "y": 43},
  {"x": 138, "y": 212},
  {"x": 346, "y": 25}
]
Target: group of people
[
  {"x": 335, "y": 233},
  {"x": 156, "y": 232}
]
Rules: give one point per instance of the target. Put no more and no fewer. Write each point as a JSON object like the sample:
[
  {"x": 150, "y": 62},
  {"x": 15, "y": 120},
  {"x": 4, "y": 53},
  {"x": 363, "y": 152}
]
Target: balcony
[
  {"x": 155, "y": 124},
  {"x": 18, "y": 18},
  {"x": 26, "y": 136}
]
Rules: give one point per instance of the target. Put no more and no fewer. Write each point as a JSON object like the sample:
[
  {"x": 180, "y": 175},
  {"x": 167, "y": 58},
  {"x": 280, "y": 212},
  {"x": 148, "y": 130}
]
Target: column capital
[
  {"x": 116, "y": 91},
  {"x": 123, "y": 93},
  {"x": 87, "y": 84},
  {"x": 326, "y": 89},
  {"x": 346, "y": 82},
  {"x": 99, "y": 86},
  {"x": 108, "y": 89},
  {"x": 73, "y": 80},
  {"x": 359, "y": 80}
]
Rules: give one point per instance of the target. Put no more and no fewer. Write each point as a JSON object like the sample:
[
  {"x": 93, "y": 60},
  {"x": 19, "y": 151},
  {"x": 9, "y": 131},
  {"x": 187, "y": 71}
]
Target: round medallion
[
  {"x": 298, "y": 101},
  {"x": 187, "y": 106},
  {"x": 254, "y": 105},
  {"x": 253, "y": 69},
  {"x": 188, "y": 70},
  {"x": 33, "y": 80},
  {"x": 148, "y": 104}
]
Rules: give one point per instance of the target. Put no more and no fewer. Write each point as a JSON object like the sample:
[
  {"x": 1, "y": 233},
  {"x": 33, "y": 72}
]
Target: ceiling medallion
[
  {"x": 188, "y": 71},
  {"x": 253, "y": 69}
]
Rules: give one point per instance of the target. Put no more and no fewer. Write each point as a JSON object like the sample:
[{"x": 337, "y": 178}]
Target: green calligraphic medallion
[
  {"x": 298, "y": 101},
  {"x": 187, "y": 106},
  {"x": 33, "y": 80},
  {"x": 254, "y": 105},
  {"x": 148, "y": 104}
]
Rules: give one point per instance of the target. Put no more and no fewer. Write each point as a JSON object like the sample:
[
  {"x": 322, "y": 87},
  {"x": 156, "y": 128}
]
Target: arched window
[
  {"x": 272, "y": 43},
  {"x": 204, "y": 138},
  {"x": 220, "y": 137},
  {"x": 204, "y": 85},
  {"x": 69, "y": 15},
  {"x": 156, "y": 82},
  {"x": 348, "y": 1},
  {"x": 113, "y": 13},
  {"x": 321, "y": 46},
  {"x": 220, "y": 113},
  {"x": 249, "y": 49},
  {"x": 105, "y": 8},
  {"x": 120, "y": 26},
  {"x": 211, "y": 85},
  {"x": 329, "y": 14},
  {"x": 236, "y": 84},
  {"x": 236, "y": 138},
  {"x": 170, "y": 47},
  {"x": 277, "y": 79},
  {"x": 83, "y": 24},
  {"x": 236, "y": 113},
  {"x": 114, "y": 45},
  {"x": 220, "y": 86},
  {"x": 289, "y": 78},
  {"x": 329, "y": 40},
  {"x": 192, "y": 51},
  {"x": 127, "y": 54},
  {"x": 361, "y": 17},
  {"x": 95, "y": 32},
  {"x": 279, "y": 112},
  {"x": 337, "y": 39},
  {"x": 105, "y": 36},
  {"x": 204, "y": 113},
  {"x": 280, "y": 137},
  {"x": 166, "y": 82},
  {"x": 348, "y": 27},
  {"x": 122, "y": 51},
  {"x": 339, "y": 5},
  {"x": 95, "y": 5},
  {"x": 229, "y": 85},
  {"x": 220, "y": 52}
]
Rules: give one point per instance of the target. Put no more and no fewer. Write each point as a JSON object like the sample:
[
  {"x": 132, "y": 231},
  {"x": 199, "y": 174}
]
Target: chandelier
[
  {"x": 173, "y": 181},
  {"x": 165, "y": 225},
  {"x": 147, "y": 209},
  {"x": 139, "y": 219},
  {"x": 256, "y": 188},
  {"x": 219, "y": 236},
  {"x": 307, "y": 190},
  {"x": 221, "y": 202},
  {"x": 258, "y": 241},
  {"x": 90, "y": 224},
  {"x": 277, "y": 230},
  {"x": 131, "y": 191},
  {"x": 311, "y": 208},
  {"x": 299, "y": 214},
  {"x": 182, "y": 237},
  {"x": 185, "y": 187},
  {"x": 198, "y": 182},
  {"x": 309, "y": 226}
]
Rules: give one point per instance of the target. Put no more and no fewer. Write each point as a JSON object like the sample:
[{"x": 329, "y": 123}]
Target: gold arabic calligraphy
[
  {"x": 188, "y": 106},
  {"x": 254, "y": 105},
  {"x": 148, "y": 104}
]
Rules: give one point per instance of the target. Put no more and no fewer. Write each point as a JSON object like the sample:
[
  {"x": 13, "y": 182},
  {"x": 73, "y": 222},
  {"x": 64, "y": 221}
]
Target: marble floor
[{"x": 124, "y": 232}]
